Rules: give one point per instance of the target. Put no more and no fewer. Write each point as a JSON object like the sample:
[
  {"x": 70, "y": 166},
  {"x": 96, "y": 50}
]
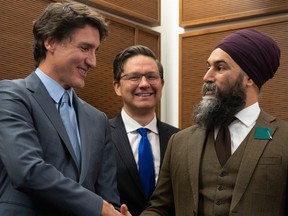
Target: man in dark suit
[
  {"x": 138, "y": 79},
  {"x": 245, "y": 173},
  {"x": 43, "y": 170}
]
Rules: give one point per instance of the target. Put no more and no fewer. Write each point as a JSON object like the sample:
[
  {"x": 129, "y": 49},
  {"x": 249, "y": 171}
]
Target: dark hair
[
  {"x": 58, "y": 22},
  {"x": 129, "y": 52}
]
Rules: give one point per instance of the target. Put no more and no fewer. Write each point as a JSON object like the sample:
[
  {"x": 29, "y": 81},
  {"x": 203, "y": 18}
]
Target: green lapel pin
[{"x": 263, "y": 133}]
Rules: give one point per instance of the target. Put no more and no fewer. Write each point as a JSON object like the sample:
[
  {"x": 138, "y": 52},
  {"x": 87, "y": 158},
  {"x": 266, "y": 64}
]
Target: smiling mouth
[
  {"x": 83, "y": 72},
  {"x": 209, "y": 93},
  {"x": 144, "y": 94}
]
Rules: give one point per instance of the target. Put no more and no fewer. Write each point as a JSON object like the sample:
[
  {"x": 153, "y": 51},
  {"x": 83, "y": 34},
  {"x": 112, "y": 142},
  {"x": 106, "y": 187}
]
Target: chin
[
  {"x": 79, "y": 84},
  {"x": 146, "y": 106}
]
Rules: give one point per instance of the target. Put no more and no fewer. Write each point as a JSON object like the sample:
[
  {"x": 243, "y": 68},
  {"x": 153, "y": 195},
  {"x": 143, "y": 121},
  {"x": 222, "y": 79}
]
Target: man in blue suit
[
  {"x": 138, "y": 79},
  {"x": 40, "y": 173}
]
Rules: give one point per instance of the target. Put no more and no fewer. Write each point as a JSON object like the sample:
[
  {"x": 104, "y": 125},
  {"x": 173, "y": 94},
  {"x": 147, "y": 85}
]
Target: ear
[
  {"x": 249, "y": 82},
  {"x": 162, "y": 81},
  {"x": 117, "y": 88},
  {"x": 49, "y": 45}
]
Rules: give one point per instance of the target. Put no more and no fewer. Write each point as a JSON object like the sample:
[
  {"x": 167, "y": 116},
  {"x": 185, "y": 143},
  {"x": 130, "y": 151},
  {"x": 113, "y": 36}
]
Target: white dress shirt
[
  {"x": 134, "y": 137},
  {"x": 240, "y": 128}
]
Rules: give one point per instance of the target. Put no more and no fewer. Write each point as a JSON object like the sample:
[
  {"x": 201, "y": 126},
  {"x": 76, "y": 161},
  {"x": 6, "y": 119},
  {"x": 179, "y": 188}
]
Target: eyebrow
[
  {"x": 217, "y": 62},
  {"x": 88, "y": 45}
]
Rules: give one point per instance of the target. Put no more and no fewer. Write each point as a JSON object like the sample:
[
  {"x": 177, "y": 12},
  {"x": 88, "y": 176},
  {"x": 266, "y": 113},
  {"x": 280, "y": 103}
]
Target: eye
[
  {"x": 133, "y": 77},
  {"x": 220, "y": 67},
  {"x": 84, "y": 49},
  {"x": 152, "y": 76}
]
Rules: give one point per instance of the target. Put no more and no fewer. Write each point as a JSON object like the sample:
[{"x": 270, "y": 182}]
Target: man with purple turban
[{"x": 234, "y": 161}]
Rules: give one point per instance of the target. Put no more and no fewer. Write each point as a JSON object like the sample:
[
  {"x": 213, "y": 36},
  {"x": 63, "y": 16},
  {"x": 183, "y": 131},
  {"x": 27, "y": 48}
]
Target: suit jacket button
[
  {"x": 222, "y": 174},
  {"x": 220, "y": 187}
]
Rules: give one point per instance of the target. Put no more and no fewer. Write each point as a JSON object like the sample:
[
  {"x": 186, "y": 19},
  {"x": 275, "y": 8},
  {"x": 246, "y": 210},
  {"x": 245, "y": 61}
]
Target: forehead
[
  {"x": 87, "y": 34},
  {"x": 140, "y": 62},
  {"x": 218, "y": 55}
]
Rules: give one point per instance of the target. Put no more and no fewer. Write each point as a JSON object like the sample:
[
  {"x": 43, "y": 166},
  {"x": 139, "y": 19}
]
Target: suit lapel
[
  {"x": 196, "y": 144},
  {"x": 252, "y": 154},
  {"x": 83, "y": 124},
  {"x": 163, "y": 139},
  {"x": 124, "y": 149},
  {"x": 47, "y": 104}
]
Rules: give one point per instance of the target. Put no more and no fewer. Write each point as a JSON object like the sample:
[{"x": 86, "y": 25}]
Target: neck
[
  {"x": 140, "y": 116},
  {"x": 252, "y": 96}
]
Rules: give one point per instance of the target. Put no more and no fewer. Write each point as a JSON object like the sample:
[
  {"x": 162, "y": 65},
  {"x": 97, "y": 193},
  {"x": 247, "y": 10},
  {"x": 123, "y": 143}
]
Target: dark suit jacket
[
  {"x": 129, "y": 185},
  {"x": 261, "y": 185},
  {"x": 38, "y": 170}
]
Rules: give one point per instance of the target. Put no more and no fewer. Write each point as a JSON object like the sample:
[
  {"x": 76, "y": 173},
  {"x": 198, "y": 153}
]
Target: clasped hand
[{"x": 109, "y": 210}]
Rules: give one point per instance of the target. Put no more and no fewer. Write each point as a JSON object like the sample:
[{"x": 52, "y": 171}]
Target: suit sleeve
[
  {"x": 107, "y": 183},
  {"x": 161, "y": 202}
]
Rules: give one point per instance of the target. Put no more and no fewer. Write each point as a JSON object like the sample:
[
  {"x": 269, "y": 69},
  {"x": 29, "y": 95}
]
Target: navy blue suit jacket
[{"x": 129, "y": 185}]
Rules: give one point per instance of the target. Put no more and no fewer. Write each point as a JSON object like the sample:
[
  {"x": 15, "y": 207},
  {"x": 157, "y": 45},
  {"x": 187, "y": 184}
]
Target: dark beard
[{"x": 213, "y": 111}]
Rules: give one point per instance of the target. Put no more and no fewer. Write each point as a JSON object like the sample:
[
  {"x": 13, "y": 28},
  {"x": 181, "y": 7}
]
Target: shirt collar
[
  {"x": 131, "y": 125},
  {"x": 249, "y": 114},
  {"x": 54, "y": 89}
]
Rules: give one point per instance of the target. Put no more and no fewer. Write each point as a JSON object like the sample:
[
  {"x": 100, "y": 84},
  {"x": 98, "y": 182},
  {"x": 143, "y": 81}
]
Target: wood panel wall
[
  {"x": 16, "y": 57},
  {"x": 195, "y": 48},
  {"x": 142, "y": 11},
  {"x": 195, "y": 12}
]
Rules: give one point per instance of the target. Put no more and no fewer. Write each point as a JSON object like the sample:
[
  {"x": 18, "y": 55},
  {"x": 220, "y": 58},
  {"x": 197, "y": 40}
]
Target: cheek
[
  {"x": 226, "y": 83},
  {"x": 125, "y": 90},
  {"x": 75, "y": 57},
  {"x": 223, "y": 88},
  {"x": 159, "y": 91}
]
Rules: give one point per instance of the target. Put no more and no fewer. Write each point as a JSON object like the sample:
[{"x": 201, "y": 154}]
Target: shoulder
[
  {"x": 116, "y": 120},
  {"x": 16, "y": 84},
  {"x": 190, "y": 130},
  {"x": 270, "y": 119},
  {"x": 192, "y": 133},
  {"x": 166, "y": 127},
  {"x": 92, "y": 111},
  {"x": 14, "y": 89},
  {"x": 279, "y": 126}
]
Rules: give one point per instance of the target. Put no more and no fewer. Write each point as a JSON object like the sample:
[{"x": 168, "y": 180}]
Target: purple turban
[{"x": 257, "y": 54}]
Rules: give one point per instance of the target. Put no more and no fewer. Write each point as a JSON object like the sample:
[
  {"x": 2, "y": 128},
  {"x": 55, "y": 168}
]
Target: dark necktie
[
  {"x": 223, "y": 142},
  {"x": 69, "y": 124},
  {"x": 146, "y": 163}
]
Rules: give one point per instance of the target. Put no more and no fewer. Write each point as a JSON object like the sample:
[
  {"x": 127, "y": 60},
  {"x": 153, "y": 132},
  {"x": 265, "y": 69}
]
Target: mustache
[{"x": 208, "y": 86}]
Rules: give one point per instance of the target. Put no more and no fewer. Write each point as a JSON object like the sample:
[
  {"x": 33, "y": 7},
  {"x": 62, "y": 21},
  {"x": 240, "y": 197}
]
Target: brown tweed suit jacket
[{"x": 261, "y": 185}]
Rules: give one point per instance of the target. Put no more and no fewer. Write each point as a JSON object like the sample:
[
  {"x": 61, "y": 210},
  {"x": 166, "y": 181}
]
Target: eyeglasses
[{"x": 135, "y": 78}]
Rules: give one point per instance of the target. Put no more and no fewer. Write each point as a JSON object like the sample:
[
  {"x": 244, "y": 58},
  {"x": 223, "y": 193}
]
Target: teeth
[{"x": 144, "y": 94}]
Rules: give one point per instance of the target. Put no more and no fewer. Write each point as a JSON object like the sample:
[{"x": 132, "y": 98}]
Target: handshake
[{"x": 109, "y": 210}]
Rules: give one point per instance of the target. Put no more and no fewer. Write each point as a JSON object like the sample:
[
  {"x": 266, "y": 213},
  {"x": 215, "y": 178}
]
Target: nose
[
  {"x": 91, "y": 59},
  {"x": 143, "y": 81},
  {"x": 209, "y": 76}
]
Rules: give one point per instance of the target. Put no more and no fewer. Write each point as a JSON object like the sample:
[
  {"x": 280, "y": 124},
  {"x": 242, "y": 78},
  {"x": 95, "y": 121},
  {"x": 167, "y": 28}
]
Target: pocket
[
  {"x": 268, "y": 176},
  {"x": 270, "y": 160}
]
